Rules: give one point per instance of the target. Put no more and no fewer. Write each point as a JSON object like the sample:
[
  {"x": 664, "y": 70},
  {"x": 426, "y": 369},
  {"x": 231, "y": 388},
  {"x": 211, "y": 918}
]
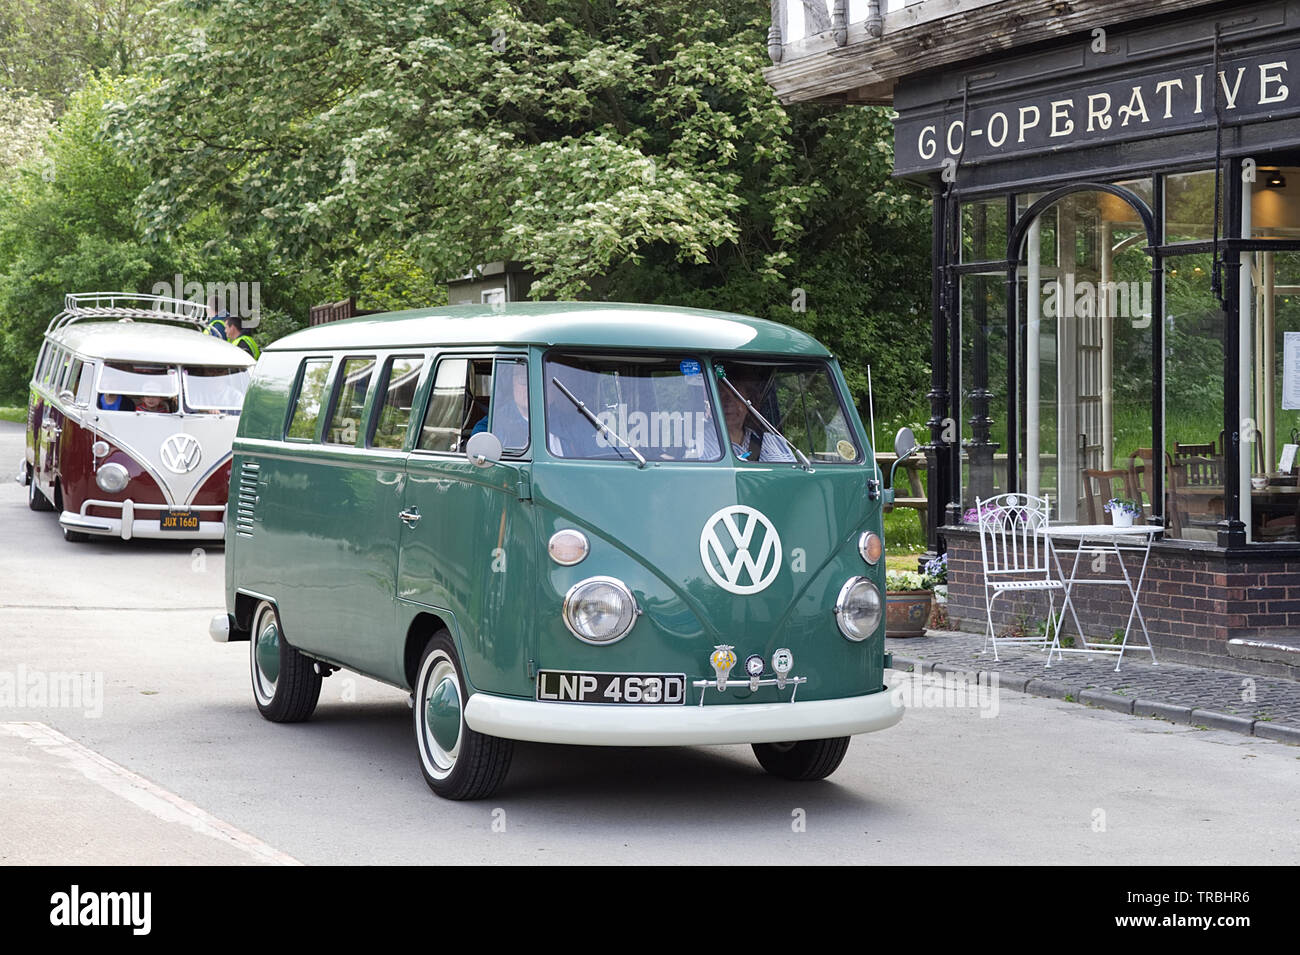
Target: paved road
[{"x": 180, "y": 768}]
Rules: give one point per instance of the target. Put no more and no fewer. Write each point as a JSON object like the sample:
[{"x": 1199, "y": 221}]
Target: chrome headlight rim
[
  {"x": 568, "y": 535},
  {"x": 572, "y": 595},
  {"x": 863, "y": 545},
  {"x": 856, "y": 634},
  {"x": 104, "y": 472}
]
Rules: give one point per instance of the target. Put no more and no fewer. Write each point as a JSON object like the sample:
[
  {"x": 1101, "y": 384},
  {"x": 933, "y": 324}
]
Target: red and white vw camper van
[{"x": 130, "y": 419}]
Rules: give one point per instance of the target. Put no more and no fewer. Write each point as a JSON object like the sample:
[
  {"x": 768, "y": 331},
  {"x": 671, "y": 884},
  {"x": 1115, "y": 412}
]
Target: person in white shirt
[{"x": 750, "y": 441}]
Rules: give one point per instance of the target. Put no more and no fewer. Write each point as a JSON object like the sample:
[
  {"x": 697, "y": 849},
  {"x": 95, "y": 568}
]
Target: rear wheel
[
  {"x": 457, "y": 762},
  {"x": 35, "y": 499},
  {"x": 286, "y": 685},
  {"x": 804, "y": 760}
]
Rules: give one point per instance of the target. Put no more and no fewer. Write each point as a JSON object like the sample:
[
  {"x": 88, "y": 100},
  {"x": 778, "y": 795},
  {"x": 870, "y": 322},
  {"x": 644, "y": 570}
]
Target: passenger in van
[
  {"x": 750, "y": 441},
  {"x": 112, "y": 402},
  {"x": 154, "y": 403},
  {"x": 511, "y": 424}
]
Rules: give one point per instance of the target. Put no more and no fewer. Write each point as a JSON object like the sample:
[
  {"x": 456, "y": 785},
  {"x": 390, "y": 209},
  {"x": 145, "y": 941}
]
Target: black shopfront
[{"x": 1117, "y": 291}]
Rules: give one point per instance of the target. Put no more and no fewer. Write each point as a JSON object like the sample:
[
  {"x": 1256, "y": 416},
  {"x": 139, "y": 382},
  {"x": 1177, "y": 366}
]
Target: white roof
[{"x": 149, "y": 342}]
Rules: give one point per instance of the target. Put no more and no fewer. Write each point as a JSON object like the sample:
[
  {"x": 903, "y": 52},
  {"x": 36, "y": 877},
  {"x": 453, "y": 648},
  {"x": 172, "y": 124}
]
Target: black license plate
[
  {"x": 180, "y": 519},
  {"x": 565, "y": 686}
]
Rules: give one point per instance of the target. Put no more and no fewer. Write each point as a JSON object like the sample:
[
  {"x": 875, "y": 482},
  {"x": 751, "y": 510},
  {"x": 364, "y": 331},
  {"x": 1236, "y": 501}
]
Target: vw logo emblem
[
  {"x": 181, "y": 453},
  {"x": 754, "y": 549}
]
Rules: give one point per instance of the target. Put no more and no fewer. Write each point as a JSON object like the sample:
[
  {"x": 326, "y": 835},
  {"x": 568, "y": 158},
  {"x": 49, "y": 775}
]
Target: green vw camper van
[{"x": 612, "y": 525}]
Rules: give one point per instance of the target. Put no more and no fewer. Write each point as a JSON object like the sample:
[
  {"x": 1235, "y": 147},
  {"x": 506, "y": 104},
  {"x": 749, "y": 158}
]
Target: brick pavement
[{"x": 1198, "y": 696}]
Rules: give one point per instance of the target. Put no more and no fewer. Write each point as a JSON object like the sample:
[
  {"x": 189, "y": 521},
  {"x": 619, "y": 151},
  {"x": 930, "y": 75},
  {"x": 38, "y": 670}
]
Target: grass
[{"x": 13, "y": 413}]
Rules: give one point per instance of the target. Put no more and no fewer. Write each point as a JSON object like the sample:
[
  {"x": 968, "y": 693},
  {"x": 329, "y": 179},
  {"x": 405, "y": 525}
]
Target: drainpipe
[{"x": 875, "y": 22}]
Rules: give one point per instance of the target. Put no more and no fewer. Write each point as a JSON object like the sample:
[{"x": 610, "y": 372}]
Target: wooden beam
[{"x": 938, "y": 33}]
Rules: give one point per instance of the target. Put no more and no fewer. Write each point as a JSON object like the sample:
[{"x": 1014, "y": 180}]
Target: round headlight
[
  {"x": 870, "y": 546},
  {"x": 112, "y": 478},
  {"x": 599, "y": 610},
  {"x": 568, "y": 547},
  {"x": 99, "y": 449},
  {"x": 858, "y": 608}
]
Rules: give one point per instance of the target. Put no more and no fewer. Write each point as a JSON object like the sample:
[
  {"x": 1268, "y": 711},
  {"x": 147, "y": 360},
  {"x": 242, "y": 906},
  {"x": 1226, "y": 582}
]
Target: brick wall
[{"x": 1194, "y": 600}]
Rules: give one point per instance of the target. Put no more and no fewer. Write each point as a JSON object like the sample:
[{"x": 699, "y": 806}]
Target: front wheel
[
  {"x": 74, "y": 537},
  {"x": 286, "y": 685},
  {"x": 805, "y": 760},
  {"x": 457, "y": 762}
]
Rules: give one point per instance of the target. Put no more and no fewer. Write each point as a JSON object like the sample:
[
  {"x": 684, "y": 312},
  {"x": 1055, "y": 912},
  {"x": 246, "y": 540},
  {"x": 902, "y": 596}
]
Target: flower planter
[
  {"x": 1121, "y": 519},
  {"x": 907, "y": 612}
]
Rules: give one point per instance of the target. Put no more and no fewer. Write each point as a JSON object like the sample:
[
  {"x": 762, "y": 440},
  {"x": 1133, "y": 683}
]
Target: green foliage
[
  {"x": 25, "y": 120},
  {"x": 67, "y": 223},
  {"x": 50, "y": 47},
  {"x": 621, "y": 150}
]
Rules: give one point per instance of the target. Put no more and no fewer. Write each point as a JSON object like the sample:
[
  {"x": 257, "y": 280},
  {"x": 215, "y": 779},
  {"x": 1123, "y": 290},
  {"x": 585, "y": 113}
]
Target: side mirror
[
  {"x": 66, "y": 396},
  {"x": 904, "y": 443},
  {"x": 483, "y": 449}
]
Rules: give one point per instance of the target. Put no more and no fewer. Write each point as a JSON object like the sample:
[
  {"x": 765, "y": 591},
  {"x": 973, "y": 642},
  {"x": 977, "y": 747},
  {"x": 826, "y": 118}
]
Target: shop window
[
  {"x": 1085, "y": 358},
  {"x": 1195, "y": 455},
  {"x": 984, "y": 230},
  {"x": 1189, "y": 206}
]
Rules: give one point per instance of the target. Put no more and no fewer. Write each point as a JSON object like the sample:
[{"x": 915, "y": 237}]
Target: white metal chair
[{"x": 1017, "y": 560}]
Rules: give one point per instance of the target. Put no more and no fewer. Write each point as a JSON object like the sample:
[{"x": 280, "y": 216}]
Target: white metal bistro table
[{"x": 1107, "y": 539}]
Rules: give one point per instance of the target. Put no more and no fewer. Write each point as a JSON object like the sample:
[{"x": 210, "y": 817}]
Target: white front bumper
[
  {"x": 129, "y": 525},
  {"x": 589, "y": 724}
]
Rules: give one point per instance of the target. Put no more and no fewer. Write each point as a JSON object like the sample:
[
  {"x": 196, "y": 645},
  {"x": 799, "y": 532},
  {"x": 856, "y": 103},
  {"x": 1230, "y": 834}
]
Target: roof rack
[{"x": 128, "y": 306}]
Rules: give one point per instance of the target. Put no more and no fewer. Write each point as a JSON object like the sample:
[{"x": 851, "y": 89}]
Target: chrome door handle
[{"x": 410, "y": 517}]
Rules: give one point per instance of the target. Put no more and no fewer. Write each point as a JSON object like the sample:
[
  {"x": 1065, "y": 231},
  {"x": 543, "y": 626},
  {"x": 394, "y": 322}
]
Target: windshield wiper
[
  {"x": 803, "y": 461},
  {"x": 600, "y": 425}
]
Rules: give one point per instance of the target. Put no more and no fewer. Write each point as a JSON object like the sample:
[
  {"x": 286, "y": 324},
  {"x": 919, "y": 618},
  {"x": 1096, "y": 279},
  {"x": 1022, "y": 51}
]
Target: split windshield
[{"x": 137, "y": 386}]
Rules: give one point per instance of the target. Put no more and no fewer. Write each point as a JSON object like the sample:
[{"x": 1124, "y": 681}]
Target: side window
[
  {"x": 56, "y": 356},
  {"x": 510, "y": 405},
  {"x": 312, "y": 379},
  {"x": 401, "y": 377},
  {"x": 85, "y": 384},
  {"x": 350, "y": 400},
  {"x": 41, "y": 361},
  {"x": 74, "y": 377},
  {"x": 458, "y": 405}
]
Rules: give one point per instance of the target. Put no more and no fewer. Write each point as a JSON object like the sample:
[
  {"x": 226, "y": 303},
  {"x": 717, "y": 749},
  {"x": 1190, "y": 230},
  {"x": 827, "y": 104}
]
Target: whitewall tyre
[
  {"x": 456, "y": 762},
  {"x": 286, "y": 686}
]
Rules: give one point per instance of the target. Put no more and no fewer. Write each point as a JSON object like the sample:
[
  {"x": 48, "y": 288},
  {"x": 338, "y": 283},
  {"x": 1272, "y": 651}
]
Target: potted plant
[
  {"x": 909, "y": 597},
  {"x": 1122, "y": 512}
]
